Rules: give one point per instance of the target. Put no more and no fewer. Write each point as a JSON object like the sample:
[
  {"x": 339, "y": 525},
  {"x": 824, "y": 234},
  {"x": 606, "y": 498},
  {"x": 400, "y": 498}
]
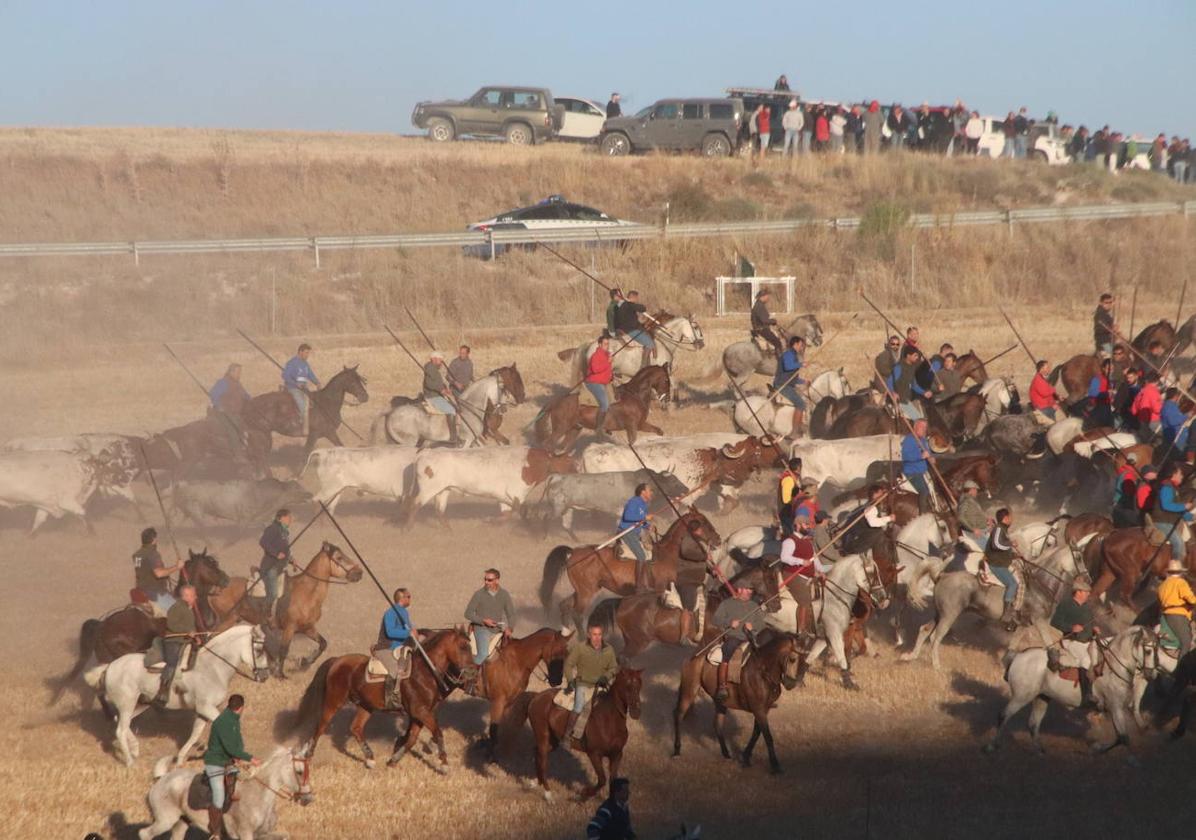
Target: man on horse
[
  {"x": 627, "y": 319},
  {"x": 999, "y": 555},
  {"x": 276, "y": 554},
  {"x": 1174, "y": 424},
  {"x": 438, "y": 395},
  {"x": 824, "y": 541},
  {"x": 228, "y": 398},
  {"x": 612, "y": 310},
  {"x": 1043, "y": 399},
  {"x": 915, "y": 463},
  {"x": 886, "y": 360},
  {"x": 1148, "y": 407},
  {"x": 1103, "y": 325},
  {"x": 612, "y": 820},
  {"x": 690, "y": 582},
  {"x": 1075, "y": 620},
  {"x": 180, "y": 630},
  {"x": 589, "y": 665},
  {"x": 1125, "y": 512},
  {"x": 734, "y": 618},
  {"x": 1176, "y": 601},
  {"x": 949, "y": 381},
  {"x": 299, "y": 379},
  {"x": 225, "y": 748},
  {"x": 152, "y": 575},
  {"x": 599, "y": 373},
  {"x": 460, "y": 370},
  {"x": 800, "y": 566},
  {"x": 393, "y": 634},
  {"x": 1171, "y": 516},
  {"x": 788, "y": 377},
  {"x": 1099, "y": 408},
  {"x": 763, "y": 324},
  {"x": 901, "y": 382},
  {"x": 634, "y": 521},
  {"x": 490, "y": 611},
  {"x": 787, "y": 490},
  {"x": 973, "y": 522},
  {"x": 1123, "y": 400}
]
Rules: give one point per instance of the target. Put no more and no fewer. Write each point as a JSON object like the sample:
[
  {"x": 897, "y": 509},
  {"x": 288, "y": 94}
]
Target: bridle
[
  {"x": 254, "y": 644},
  {"x": 301, "y": 767},
  {"x": 332, "y": 558}
]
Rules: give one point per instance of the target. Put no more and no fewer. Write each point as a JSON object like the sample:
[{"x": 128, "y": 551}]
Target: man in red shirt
[
  {"x": 1147, "y": 407},
  {"x": 598, "y": 377},
  {"x": 1043, "y": 398}
]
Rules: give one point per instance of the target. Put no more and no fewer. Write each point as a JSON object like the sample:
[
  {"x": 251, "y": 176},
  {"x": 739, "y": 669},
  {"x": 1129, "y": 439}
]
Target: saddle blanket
[
  {"x": 495, "y": 641},
  {"x": 375, "y": 669},
  {"x": 975, "y": 565},
  {"x": 565, "y": 701},
  {"x": 738, "y": 659},
  {"x": 199, "y": 794}
]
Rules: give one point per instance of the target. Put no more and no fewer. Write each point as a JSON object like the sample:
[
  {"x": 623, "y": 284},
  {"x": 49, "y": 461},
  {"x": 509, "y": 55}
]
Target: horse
[
  {"x": 560, "y": 422},
  {"x": 743, "y": 358},
  {"x": 1161, "y": 332},
  {"x": 592, "y": 569},
  {"x": 222, "y": 600},
  {"x": 773, "y": 416},
  {"x": 957, "y": 592},
  {"x": 183, "y": 448},
  {"x": 773, "y": 665},
  {"x": 967, "y": 414},
  {"x": 276, "y": 412},
  {"x": 829, "y": 383},
  {"x": 829, "y": 409},
  {"x": 284, "y": 775},
  {"x": 921, "y": 553},
  {"x": 407, "y": 423},
  {"x": 505, "y": 674},
  {"x": 1075, "y": 374},
  {"x": 302, "y": 601},
  {"x": 127, "y": 684},
  {"x": 1126, "y": 555},
  {"x": 605, "y": 734},
  {"x": 969, "y": 366},
  {"x": 342, "y": 679},
  {"x": 872, "y": 419},
  {"x": 674, "y": 335},
  {"x": 1129, "y": 662}
]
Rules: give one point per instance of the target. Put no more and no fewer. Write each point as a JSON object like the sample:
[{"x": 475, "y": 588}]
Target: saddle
[
  {"x": 199, "y": 793},
  {"x": 738, "y": 659},
  {"x": 419, "y": 402},
  {"x": 495, "y": 641},
  {"x": 139, "y": 601},
  {"x": 622, "y": 552},
  {"x": 565, "y": 701},
  {"x": 375, "y": 669},
  {"x": 155, "y": 657}
]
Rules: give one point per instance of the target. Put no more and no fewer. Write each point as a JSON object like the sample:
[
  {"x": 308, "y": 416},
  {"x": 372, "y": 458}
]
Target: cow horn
[{"x": 729, "y": 450}]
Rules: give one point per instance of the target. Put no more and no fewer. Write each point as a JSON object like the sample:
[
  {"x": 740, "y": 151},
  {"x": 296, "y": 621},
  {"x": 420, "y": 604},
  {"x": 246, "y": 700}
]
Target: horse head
[
  {"x": 791, "y": 657},
  {"x": 1148, "y": 647},
  {"x": 873, "y": 583},
  {"x": 257, "y": 656},
  {"x": 813, "y": 330},
  {"x": 554, "y": 656},
  {"x": 299, "y": 778},
  {"x": 352, "y": 383},
  {"x": 700, "y": 528},
  {"x": 695, "y": 329},
  {"x": 626, "y": 690},
  {"x": 202, "y": 567},
  {"x": 511, "y": 381},
  {"x": 341, "y": 566}
]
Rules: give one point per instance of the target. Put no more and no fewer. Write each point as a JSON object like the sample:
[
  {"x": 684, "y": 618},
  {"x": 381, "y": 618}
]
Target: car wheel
[
  {"x": 440, "y": 130},
  {"x": 716, "y": 145},
  {"x": 616, "y": 145},
  {"x": 1039, "y": 156},
  {"x": 519, "y": 134}
]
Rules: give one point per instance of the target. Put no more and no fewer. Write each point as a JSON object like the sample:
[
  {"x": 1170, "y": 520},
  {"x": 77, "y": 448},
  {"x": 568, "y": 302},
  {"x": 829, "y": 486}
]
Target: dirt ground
[{"x": 900, "y": 758}]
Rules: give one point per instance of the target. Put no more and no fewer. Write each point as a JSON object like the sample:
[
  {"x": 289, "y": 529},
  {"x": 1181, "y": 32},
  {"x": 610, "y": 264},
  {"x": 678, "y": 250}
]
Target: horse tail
[
  {"x": 604, "y": 615},
  {"x": 311, "y": 707},
  {"x": 554, "y": 567},
  {"x": 87, "y": 645},
  {"x": 94, "y": 677},
  {"x": 1053, "y": 376}
]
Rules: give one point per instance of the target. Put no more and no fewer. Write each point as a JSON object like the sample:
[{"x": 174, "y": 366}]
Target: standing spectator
[
  {"x": 838, "y": 123},
  {"x": 1077, "y": 147},
  {"x": 782, "y": 83},
  {"x": 1179, "y": 162},
  {"x": 1009, "y": 128},
  {"x": 959, "y": 124},
  {"x": 873, "y": 122},
  {"x": 1099, "y": 148},
  {"x": 1124, "y": 153},
  {"x": 807, "y": 129},
  {"x": 612, "y": 820},
  {"x": 764, "y": 126},
  {"x": 855, "y": 130},
  {"x": 899, "y": 125},
  {"x": 792, "y": 123},
  {"x": 973, "y": 130},
  {"x": 1158, "y": 153},
  {"x": 822, "y": 130},
  {"x": 613, "y": 108},
  {"x": 1021, "y": 124},
  {"x": 753, "y": 131},
  {"x": 922, "y": 120}
]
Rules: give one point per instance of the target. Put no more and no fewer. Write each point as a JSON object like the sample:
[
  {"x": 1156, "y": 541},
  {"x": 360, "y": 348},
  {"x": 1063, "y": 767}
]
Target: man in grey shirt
[
  {"x": 490, "y": 611},
  {"x": 460, "y": 370}
]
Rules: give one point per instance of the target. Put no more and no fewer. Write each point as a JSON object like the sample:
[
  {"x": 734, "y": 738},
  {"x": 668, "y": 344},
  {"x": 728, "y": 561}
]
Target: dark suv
[
  {"x": 707, "y": 125},
  {"x": 523, "y": 115}
]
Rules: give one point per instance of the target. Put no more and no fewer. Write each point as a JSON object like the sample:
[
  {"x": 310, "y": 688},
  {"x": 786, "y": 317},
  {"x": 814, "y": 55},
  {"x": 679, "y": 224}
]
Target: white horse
[
  {"x": 674, "y": 336},
  {"x": 127, "y": 685},
  {"x": 743, "y": 358},
  {"x": 750, "y": 542},
  {"x": 407, "y": 423},
  {"x": 775, "y": 412},
  {"x": 285, "y": 773},
  {"x": 998, "y": 393},
  {"x": 854, "y": 574},
  {"x": 1130, "y": 663},
  {"x": 923, "y": 549}
]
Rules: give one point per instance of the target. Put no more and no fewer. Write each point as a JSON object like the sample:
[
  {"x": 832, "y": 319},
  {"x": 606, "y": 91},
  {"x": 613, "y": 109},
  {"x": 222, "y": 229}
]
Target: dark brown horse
[
  {"x": 1082, "y": 525},
  {"x": 221, "y": 598},
  {"x": 969, "y": 366},
  {"x": 562, "y": 420},
  {"x": 504, "y": 676},
  {"x": 276, "y": 412},
  {"x": 830, "y": 409},
  {"x": 605, "y": 734},
  {"x": 342, "y": 679},
  {"x": 1160, "y": 332},
  {"x": 774, "y": 664},
  {"x": 1126, "y": 556},
  {"x": 1075, "y": 374},
  {"x": 874, "y": 420},
  {"x": 592, "y": 569},
  {"x": 511, "y": 381}
]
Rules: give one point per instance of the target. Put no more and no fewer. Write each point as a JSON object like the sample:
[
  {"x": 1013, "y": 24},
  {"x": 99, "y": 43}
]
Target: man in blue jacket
[
  {"x": 634, "y": 520},
  {"x": 788, "y": 377},
  {"x": 392, "y": 635},
  {"x": 915, "y": 462},
  {"x": 298, "y": 378}
]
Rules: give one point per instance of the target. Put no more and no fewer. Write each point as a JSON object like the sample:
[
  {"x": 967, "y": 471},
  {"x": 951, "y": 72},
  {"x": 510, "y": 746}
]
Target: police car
[{"x": 553, "y": 213}]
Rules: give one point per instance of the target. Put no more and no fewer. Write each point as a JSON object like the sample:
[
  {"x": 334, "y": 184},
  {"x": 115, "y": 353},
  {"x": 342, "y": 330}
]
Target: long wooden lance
[
  {"x": 1179, "y": 310},
  {"x": 477, "y": 439},
  {"x": 897, "y": 330},
  {"x": 1008, "y": 349},
  {"x": 178, "y": 555},
  {"x": 200, "y": 385},
  {"x": 763, "y": 431}
]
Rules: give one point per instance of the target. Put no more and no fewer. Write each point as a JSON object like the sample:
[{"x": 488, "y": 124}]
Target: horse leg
[
  {"x": 284, "y": 649},
  {"x": 923, "y": 632},
  {"x": 404, "y": 741},
  {"x": 685, "y": 701},
  {"x": 595, "y": 760},
  {"x": 121, "y": 741},
  {"x": 1117, "y": 713},
  {"x": 321, "y": 646},
  {"x": 645, "y": 426},
  {"x": 834, "y": 639},
  {"x": 1038, "y": 710},
  {"x": 543, "y": 746},
  {"x": 1015, "y": 705},
  {"x": 197, "y": 729},
  {"x": 1103, "y": 581},
  {"x": 720, "y": 715},
  {"x": 746, "y": 757},
  {"x": 357, "y": 728},
  {"x": 774, "y": 766}
]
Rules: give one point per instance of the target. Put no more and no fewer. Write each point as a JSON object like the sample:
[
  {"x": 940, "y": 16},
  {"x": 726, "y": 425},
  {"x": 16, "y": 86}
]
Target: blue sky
[{"x": 360, "y": 66}]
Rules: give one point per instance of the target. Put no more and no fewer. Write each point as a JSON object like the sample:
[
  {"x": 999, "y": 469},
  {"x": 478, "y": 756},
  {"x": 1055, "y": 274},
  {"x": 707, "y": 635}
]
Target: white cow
[
  {"x": 53, "y": 482},
  {"x": 506, "y": 474},
  {"x": 121, "y": 449},
  {"x": 378, "y": 470},
  {"x": 844, "y": 461}
]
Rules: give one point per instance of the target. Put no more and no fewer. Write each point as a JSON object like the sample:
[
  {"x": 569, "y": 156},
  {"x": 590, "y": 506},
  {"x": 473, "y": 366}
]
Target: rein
[
  {"x": 252, "y": 652},
  {"x": 286, "y": 794}
]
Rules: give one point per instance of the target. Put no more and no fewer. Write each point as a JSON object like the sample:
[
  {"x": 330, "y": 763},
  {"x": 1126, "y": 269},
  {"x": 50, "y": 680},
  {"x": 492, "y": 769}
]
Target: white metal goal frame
[{"x": 755, "y": 284}]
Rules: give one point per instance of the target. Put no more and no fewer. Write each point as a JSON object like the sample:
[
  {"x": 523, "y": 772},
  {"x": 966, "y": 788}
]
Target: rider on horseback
[
  {"x": 590, "y": 665},
  {"x": 733, "y": 616},
  {"x": 634, "y": 520},
  {"x": 298, "y": 378},
  {"x": 1171, "y": 516},
  {"x": 627, "y": 319},
  {"x": 225, "y": 747},
  {"x": 460, "y": 370},
  {"x": 1074, "y": 619},
  {"x": 1043, "y": 398},
  {"x": 1103, "y": 325},
  {"x": 228, "y": 398},
  {"x": 1176, "y": 601},
  {"x": 787, "y": 491},
  {"x": 915, "y": 462},
  {"x": 762, "y": 322},
  {"x": 788, "y": 377},
  {"x": 152, "y": 575},
  {"x": 973, "y": 522},
  {"x": 598, "y": 378},
  {"x": 276, "y": 553},
  {"x": 801, "y": 566},
  {"x": 901, "y": 382},
  {"x": 999, "y": 555},
  {"x": 393, "y": 634},
  {"x": 180, "y": 630},
  {"x": 438, "y": 395},
  {"x": 489, "y": 611},
  {"x": 612, "y": 310}
]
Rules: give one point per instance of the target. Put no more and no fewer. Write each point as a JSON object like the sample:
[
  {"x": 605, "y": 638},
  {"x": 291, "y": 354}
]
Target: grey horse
[{"x": 743, "y": 358}]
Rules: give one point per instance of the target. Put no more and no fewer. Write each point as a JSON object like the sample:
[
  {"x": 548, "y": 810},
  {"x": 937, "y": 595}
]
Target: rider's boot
[
  {"x": 390, "y": 693},
  {"x": 215, "y": 823},
  {"x": 230, "y": 790},
  {"x": 687, "y": 628},
  {"x": 570, "y": 724},
  {"x": 600, "y": 423},
  {"x": 805, "y": 624},
  {"x": 1087, "y": 701},
  {"x": 798, "y": 423},
  {"x": 721, "y": 693},
  {"x": 641, "y": 576},
  {"x": 1008, "y": 618},
  {"x": 454, "y": 438},
  {"x": 163, "y": 696},
  {"x": 646, "y": 357}
]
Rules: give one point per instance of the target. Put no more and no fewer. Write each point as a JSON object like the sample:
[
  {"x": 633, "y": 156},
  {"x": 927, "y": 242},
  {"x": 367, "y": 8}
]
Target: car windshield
[
  {"x": 586, "y": 214},
  {"x": 643, "y": 112}
]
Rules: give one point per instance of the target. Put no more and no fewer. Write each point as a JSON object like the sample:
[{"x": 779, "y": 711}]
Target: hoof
[
  {"x": 905, "y": 657},
  {"x": 548, "y": 795},
  {"x": 849, "y": 683},
  {"x": 370, "y": 764},
  {"x": 776, "y": 770}
]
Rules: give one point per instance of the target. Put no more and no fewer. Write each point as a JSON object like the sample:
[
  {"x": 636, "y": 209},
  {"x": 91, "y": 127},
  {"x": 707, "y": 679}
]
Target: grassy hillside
[{"x": 124, "y": 184}]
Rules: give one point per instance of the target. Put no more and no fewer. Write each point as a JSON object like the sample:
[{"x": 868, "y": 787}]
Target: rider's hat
[
  {"x": 1176, "y": 567},
  {"x": 970, "y": 485},
  {"x": 436, "y": 354}
]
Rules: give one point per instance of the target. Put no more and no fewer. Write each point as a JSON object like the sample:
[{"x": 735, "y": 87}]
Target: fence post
[
  {"x": 1009, "y": 221},
  {"x": 273, "y": 301},
  {"x": 315, "y": 246},
  {"x": 913, "y": 266},
  {"x": 136, "y": 254}
]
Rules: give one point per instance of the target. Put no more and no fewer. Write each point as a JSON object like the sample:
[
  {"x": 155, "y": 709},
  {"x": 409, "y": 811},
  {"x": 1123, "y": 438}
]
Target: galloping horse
[
  {"x": 302, "y": 601},
  {"x": 773, "y": 664},
  {"x": 591, "y": 569},
  {"x": 276, "y": 412},
  {"x": 504, "y": 675},
  {"x": 969, "y": 366},
  {"x": 222, "y": 601},
  {"x": 342, "y": 679},
  {"x": 605, "y": 733},
  {"x": 672, "y": 336},
  {"x": 566, "y": 416},
  {"x": 743, "y": 358},
  {"x": 1075, "y": 374},
  {"x": 1160, "y": 331},
  {"x": 1125, "y": 555},
  {"x": 406, "y": 422}
]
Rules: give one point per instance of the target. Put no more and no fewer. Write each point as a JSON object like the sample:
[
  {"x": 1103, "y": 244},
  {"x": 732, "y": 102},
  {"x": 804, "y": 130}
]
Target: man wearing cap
[
  {"x": 1176, "y": 600},
  {"x": 1074, "y": 619},
  {"x": 436, "y": 392},
  {"x": 299, "y": 379},
  {"x": 973, "y": 522}
]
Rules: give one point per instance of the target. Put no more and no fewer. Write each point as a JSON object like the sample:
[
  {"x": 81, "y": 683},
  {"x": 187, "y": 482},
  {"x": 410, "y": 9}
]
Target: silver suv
[{"x": 710, "y": 126}]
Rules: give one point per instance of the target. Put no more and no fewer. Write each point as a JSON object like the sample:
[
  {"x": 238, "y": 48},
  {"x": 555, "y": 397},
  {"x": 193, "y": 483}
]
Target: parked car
[
  {"x": 583, "y": 119},
  {"x": 992, "y": 138},
  {"x": 553, "y": 213},
  {"x": 710, "y": 126},
  {"x": 1046, "y": 145},
  {"x": 521, "y": 115}
]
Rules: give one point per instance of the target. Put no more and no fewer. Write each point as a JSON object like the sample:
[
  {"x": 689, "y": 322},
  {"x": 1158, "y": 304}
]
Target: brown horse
[
  {"x": 276, "y": 412},
  {"x": 874, "y": 420},
  {"x": 222, "y": 600},
  {"x": 342, "y": 679},
  {"x": 1075, "y": 374},
  {"x": 504, "y": 675},
  {"x": 1126, "y": 556},
  {"x": 830, "y": 409},
  {"x": 773, "y": 664},
  {"x": 605, "y": 734},
  {"x": 1161, "y": 332},
  {"x": 1082, "y": 525},
  {"x": 591, "y": 569},
  {"x": 302, "y": 602},
  {"x": 562, "y": 420},
  {"x": 969, "y": 366}
]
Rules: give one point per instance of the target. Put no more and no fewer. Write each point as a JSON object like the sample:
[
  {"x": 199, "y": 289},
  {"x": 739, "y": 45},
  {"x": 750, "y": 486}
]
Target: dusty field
[{"x": 899, "y": 759}]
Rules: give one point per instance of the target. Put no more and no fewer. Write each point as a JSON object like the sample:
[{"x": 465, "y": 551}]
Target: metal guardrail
[{"x": 591, "y": 235}]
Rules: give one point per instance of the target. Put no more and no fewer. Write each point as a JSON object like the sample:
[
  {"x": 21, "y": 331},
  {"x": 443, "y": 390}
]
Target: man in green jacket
[
  {"x": 225, "y": 746},
  {"x": 180, "y": 629},
  {"x": 589, "y": 665}
]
